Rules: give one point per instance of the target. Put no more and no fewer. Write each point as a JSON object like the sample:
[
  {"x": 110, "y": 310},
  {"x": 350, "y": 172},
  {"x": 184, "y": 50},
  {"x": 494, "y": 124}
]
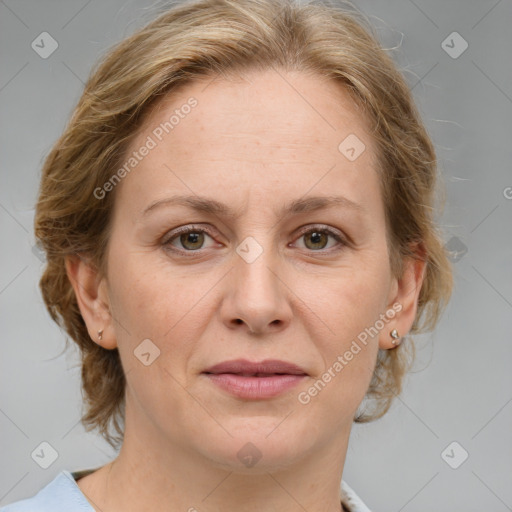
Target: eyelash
[{"x": 191, "y": 229}]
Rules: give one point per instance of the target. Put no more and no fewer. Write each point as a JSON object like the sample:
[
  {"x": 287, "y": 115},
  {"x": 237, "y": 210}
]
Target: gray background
[{"x": 461, "y": 389}]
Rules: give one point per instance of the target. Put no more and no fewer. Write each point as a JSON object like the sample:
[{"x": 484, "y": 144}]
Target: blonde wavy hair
[{"x": 194, "y": 39}]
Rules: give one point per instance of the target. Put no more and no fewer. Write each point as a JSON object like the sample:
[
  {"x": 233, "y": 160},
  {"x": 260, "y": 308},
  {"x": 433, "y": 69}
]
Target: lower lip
[{"x": 255, "y": 387}]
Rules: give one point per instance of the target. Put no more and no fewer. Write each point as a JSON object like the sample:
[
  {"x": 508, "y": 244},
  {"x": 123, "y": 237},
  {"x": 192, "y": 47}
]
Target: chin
[{"x": 256, "y": 446}]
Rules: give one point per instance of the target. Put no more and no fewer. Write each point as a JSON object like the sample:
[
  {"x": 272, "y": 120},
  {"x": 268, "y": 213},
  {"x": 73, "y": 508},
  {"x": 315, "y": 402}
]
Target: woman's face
[{"x": 255, "y": 279}]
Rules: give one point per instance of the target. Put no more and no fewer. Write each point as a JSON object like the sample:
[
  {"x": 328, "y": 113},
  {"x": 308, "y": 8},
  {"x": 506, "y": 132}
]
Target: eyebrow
[{"x": 211, "y": 206}]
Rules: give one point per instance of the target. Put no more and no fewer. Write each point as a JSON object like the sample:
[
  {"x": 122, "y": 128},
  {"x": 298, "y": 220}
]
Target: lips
[
  {"x": 265, "y": 368},
  {"x": 255, "y": 381}
]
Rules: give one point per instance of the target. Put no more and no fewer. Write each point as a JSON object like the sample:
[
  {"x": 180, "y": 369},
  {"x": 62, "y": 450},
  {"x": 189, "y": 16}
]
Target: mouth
[
  {"x": 247, "y": 368},
  {"x": 255, "y": 381},
  {"x": 250, "y": 374}
]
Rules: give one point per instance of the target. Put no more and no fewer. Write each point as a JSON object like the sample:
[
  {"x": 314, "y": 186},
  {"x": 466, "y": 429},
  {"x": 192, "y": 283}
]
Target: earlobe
[
  {"x": 406, "y": 292},
  {"x": 92, "y": 298}
]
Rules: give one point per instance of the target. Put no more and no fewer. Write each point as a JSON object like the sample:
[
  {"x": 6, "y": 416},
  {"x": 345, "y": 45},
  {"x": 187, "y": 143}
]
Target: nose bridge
[
  {"x": 256, "y": 266},
  {"x": 258, "y": 296}
]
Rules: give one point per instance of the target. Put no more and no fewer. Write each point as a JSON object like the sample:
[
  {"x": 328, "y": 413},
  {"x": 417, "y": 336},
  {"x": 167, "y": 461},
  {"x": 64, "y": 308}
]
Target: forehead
[
  {"x": 285, "y": 129},
  {"x": 271, "y": 107}
]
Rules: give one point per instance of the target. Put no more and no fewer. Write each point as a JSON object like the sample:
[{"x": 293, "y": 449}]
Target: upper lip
[{"x": 268, "y": 366}]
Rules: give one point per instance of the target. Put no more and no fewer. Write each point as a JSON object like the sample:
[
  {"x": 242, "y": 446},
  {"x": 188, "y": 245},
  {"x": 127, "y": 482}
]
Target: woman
[{"x": 238, "y": 223}]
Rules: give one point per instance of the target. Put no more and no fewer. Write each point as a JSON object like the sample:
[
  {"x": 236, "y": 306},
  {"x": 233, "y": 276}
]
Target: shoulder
[
  {"x": 62, "y": 494},
  {"x": 351, "y": 501}
]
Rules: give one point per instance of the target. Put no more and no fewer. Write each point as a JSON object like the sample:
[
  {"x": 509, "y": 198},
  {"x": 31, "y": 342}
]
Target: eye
[
  {"x": 190, "y": 238},
  {"x": 317, "y": 238}
]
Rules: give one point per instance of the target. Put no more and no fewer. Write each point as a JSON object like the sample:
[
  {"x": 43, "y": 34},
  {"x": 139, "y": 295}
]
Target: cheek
[
  {"x": 152, "y": 303},
  {"x": 154, "y": 300},
  {"x": 346, "y": 331},
  {"x": 347, "y": 299},
  {"x": 149, "y": 295},
  {"x": 348, "y": 352}
]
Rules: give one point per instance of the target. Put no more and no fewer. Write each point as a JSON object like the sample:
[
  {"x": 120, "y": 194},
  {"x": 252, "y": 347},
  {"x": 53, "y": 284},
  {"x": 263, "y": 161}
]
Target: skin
[{"x": 254, "y": 143}]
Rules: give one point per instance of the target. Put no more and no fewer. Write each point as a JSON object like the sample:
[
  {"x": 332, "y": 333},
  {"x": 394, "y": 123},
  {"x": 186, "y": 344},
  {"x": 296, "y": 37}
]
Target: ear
[
  {"x": 403, "y": 297},
  {"x": 93, "y": 301}
]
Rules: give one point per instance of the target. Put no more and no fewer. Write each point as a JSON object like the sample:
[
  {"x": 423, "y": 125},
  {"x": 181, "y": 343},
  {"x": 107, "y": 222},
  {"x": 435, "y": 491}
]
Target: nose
[{"x": 257, "y": 296}]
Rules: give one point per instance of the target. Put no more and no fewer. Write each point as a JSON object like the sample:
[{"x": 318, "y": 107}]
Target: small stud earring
[
  {"x": 100, "y": 334},
  {"x": 395, "y": 336}
]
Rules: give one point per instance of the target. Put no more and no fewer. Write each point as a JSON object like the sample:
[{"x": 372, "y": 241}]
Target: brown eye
[
  {"x": 192, "y": 240},
  {"x": 188, "y": 239},
  {"x": 316, "y": 239}
]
